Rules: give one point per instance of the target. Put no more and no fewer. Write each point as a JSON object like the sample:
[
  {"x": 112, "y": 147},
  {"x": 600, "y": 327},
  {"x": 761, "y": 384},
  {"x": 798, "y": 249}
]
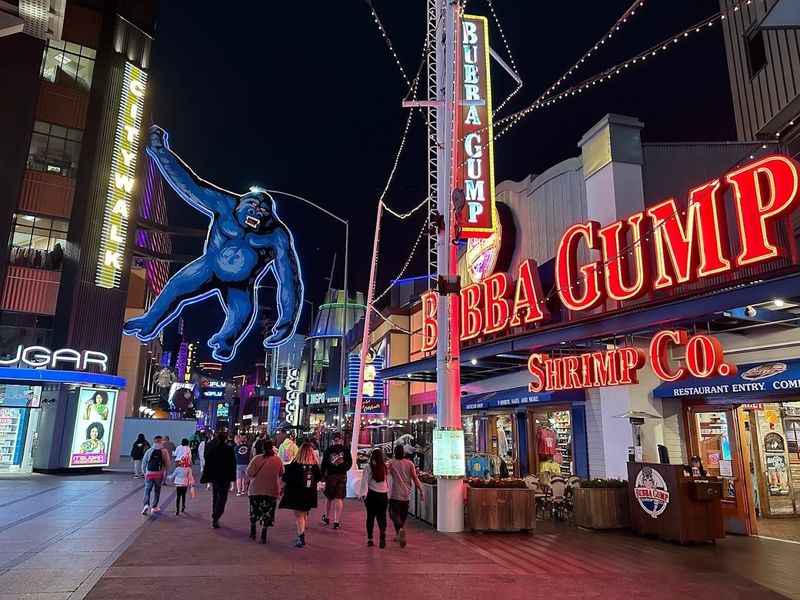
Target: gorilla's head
[{"x": 255, "y": 210}]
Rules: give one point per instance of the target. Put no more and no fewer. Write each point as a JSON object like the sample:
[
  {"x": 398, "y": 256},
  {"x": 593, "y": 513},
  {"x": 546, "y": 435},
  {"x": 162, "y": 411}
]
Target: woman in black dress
[{"x": 300, "y": 493}]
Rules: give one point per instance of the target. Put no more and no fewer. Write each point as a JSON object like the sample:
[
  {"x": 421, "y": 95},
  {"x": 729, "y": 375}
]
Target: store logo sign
[
  {"x": 122, "y": 181},
  {"x": 651, "y": 492},
  {"x": 292, "y": 414},
  {"x": 40, "y": 357}
]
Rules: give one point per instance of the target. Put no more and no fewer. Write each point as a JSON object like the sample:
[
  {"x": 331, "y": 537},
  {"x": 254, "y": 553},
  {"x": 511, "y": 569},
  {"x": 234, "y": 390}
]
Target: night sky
[{"x": 305, "y": 97}]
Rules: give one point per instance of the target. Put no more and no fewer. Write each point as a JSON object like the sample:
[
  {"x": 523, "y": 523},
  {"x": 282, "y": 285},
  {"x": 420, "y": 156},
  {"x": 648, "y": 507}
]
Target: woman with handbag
[
  {"x": 265, "y": 472},
  {"x": 300, "y": 494}
]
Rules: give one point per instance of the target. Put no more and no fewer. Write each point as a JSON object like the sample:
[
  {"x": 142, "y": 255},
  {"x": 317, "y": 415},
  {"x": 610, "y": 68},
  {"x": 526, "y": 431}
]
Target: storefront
[
  {"x": 52, "y": 420},
  {"x": 745, "y": 429}
]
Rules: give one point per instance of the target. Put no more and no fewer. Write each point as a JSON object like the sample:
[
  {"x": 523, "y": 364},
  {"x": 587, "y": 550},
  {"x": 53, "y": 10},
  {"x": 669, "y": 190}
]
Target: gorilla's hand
[
  {"x": 280, "y": 333},
  {"x": 157, "y": 138}
]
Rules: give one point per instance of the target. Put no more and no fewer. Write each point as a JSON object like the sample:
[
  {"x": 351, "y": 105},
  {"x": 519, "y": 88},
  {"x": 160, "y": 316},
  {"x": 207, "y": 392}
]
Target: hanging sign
[
  {"x": 669, "y": 247},
  {"x": 122, "y": 178},
  {"x": 292, "y": 414},
  {"x": 474, "y": 134},
  {"x": 373, "y": 396}
]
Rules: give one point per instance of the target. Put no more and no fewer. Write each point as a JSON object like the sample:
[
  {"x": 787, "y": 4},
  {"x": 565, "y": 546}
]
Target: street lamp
[{"x": 346, "y": 223}]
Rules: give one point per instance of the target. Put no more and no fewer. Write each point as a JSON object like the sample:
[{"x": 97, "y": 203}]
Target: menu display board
[
  {"x": 448, "y": 453},
  {"x": 94, "y": 428},
  {"x": 12, "y": 435}
]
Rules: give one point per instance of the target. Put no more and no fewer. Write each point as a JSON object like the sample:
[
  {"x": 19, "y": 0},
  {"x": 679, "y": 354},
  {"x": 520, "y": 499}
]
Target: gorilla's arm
[
  {"x": 195, "y": 191},
  {"x": 286, "y": 266}
]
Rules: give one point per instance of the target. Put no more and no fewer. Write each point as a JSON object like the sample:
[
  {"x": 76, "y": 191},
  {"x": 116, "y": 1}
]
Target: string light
[
  {"x": 405, "y": 266},
  {"x": 388, "y": 42},
  {"x": 510, "y": 59}
]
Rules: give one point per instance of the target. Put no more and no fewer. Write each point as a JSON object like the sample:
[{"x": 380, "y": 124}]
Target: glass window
[
  {"x": 69, "y": 64},
  {"x": 55, "y": 149},
  {"x": 38, "y": 241}
]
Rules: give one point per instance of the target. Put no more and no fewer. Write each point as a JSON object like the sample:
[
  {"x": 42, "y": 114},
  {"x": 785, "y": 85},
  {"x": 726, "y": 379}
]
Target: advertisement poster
[{"x": 94, "y": 425}]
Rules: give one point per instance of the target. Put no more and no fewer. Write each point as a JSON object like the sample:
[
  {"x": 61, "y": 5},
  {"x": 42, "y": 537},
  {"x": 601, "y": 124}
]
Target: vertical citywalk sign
[
  {"x": 474, "y": 154},
  {"x": 122, "y": 181}
]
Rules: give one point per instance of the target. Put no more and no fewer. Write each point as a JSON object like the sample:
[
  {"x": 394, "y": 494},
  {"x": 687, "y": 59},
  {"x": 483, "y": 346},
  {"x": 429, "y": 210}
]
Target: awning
[
  {"x": 785, "y": 14},
  {"x": 39, "y": 376},
  {"x": 752, "y": 381},
  {"x": 518, "y": 396}
]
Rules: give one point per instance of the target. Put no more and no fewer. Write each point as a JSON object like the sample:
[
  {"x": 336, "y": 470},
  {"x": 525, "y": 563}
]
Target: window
[
  {"x": 68, "y": 63},
  {"x": 55, "y": 149},
  {"x": 756, "y": 51},
  {"x": 38, "y": 241}
]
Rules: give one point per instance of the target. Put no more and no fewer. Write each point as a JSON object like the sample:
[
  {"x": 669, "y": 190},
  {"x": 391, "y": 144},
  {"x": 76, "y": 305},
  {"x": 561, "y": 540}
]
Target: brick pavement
[{"x": 183, "y": 558}]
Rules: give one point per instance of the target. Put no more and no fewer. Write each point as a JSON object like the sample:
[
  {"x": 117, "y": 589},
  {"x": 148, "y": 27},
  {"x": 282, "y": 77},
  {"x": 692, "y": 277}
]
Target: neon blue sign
[{"x": 246, "y": 240}]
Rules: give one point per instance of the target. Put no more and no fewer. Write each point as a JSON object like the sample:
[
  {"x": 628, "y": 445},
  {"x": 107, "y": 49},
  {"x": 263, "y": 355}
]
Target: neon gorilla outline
[{"x": 245, "y": 241}]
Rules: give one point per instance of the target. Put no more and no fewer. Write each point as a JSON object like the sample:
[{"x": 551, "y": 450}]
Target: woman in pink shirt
[{"x": 265, "y": 472}]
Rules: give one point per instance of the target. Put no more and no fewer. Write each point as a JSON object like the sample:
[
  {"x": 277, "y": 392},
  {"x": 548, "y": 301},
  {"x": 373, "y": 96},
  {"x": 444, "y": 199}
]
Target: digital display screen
[{"x": 94, "y": 428}]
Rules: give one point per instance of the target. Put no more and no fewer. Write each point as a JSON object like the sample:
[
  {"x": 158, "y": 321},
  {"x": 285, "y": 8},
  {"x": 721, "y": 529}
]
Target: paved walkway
[{"x": 66, "y": 538}]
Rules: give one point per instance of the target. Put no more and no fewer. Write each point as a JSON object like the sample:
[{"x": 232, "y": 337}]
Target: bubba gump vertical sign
[{"x": 474, "y": 146}]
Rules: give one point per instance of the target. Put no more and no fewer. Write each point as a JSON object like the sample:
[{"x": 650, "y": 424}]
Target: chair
[{"x": 558, "y": 498}]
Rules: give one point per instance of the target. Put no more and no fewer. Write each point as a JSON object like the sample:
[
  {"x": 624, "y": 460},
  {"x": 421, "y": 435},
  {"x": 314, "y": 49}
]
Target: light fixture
[
  {"x": 779, "y": 303},
  {"x": 473, "y": 361}
]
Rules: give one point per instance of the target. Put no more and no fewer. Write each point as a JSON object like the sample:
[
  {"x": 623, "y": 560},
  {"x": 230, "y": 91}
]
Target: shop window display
[
  {"x": 714, "y": 441},
  {"x": 554, "y": 452}
]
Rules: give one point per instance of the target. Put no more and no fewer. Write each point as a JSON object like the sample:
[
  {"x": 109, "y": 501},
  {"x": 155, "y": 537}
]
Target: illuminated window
[
  {"x": 69, "y": 64},
  {"x": 55, "y": 149},
  {"x": 38, "y": 241}
]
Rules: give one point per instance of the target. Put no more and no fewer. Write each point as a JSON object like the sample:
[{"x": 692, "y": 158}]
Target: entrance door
[{"x": 716, "y": 439}]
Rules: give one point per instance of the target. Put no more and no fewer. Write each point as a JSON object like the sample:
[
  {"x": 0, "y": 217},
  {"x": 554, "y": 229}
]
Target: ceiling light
[
  {"x": 778, "y": 303},
  {"x": 473, "y": 362}
]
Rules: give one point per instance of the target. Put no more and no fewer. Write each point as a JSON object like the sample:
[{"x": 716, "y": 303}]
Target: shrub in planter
[
  {"x": 496, "y": 483},
  {"x": 602, "y": 504}
]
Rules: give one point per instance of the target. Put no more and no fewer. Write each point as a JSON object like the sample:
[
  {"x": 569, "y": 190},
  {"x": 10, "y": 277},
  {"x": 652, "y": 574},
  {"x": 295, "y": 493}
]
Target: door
[{"x": 715, "y": 438}]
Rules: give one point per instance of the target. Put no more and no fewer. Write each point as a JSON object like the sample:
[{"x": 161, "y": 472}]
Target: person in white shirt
[
  {"x": 182, "y": 450},
  {"x": 374, "y": 490}
]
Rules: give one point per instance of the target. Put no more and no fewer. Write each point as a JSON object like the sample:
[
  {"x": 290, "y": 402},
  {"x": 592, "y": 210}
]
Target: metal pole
[
  {"x": 450, "y": 502},
  {"x": 342, "y": 357},
  {"x": 365, "y": 341}
]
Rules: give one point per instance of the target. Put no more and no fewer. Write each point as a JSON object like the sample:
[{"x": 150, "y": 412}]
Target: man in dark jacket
[
  {"x": 219, "y": 471},
  {"x": 140, "y": 446},
  {"x": 336, "y": 462}
]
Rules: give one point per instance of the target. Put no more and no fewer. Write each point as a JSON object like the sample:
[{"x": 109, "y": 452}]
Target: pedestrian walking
[
  {"x": 182, "y": 450},
  {"x": 169, "y": 445},
  {"x": 220, "y": 472},
  {"x": 374, "y": 490},
  {"x": 287, "y": 451},
  {"x": 402, "y": 475},
  {"x": 201, "y": 454},
  {"x": 157, "y": 464},
  {"x": 242, "y": 450},
  {"x": 336, "y": 462},
  {"x": 265, "y": 472},
  {"x": 258, "y": 445},
  {"x": 140, "y": 446},
  {"x": 184, "y": 480},
  {"x": 300, "y": 494}
]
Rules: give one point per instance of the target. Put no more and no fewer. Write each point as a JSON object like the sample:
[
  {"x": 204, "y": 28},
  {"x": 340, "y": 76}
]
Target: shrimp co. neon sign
[{"x": 686, "y": 245}]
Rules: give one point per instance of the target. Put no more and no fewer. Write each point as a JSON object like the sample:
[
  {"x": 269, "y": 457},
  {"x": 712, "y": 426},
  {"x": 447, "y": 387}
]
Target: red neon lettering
[
  {"x": 535, "y": 368},
  {"x": 471, "y": 314},
  {"x": 552, "y": 369},
  {"x": 659, "y": 354},
  {"x": 566, "y": 269},
  {"x": 630, "y": 361},
  {"x": 775, "y": 177},
  {"x": 496, "y": 306},
  {"x": 571, "y": 366},
  {"x": 618, "y": 266},
  {"x": 430, "y": 330},
  {"x": 604, "y": 368},
  {"x": 527, "y": 296},
  {"x": 703, "y": 355}
]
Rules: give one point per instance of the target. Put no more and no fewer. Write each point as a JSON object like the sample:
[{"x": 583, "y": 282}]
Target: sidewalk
[{"x": 183, "y": 557}]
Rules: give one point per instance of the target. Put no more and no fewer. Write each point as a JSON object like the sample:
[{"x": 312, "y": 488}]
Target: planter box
[
  {"x": 497, "y": 509},
  {"x": 602, "y": 508}
]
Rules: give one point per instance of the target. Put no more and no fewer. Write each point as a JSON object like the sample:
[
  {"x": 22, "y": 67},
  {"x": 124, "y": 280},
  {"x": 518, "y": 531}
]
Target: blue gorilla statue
[{"x": 246, "y": 240}]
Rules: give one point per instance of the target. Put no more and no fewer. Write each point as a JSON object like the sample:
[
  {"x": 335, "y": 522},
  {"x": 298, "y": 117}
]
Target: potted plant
[
  {"x": 602, "y": 504},
  {"x": 500, "y": 505}
]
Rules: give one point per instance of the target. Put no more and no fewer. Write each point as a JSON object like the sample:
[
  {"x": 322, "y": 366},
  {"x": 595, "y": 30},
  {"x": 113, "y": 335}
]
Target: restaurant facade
[{"x": 637, "y": 303}]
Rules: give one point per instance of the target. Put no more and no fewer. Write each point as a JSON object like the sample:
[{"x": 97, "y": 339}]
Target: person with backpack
[
  {"x": 265, "y": 472},
  {"x": 336, "y": 462},
  {"x": 300, "y": 494},
  {"x": 220, "y": 472},
  {"x": 374, "y": 490},
  {"x": 140, "y": 446},
  {"x": 183, "y": 479},
  {"x": 402, "y": 475},
  {"x": 157, "y": 463}
]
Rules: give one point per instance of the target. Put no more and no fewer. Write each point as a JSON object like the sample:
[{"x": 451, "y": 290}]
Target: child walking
[{"x": 184, "y": 479}]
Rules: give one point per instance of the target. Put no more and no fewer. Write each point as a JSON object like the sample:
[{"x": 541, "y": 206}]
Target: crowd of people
[{"x": 288, "y": 477}]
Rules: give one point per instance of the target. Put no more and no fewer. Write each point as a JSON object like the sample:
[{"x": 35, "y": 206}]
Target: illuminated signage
[
  {"x": 373, "y": 388},
  {"x": 122, "y": 179},
  {"x": 475, "y": 149},
  {"x": 223, "y": 410},
  {"x": 94, "y": 428},
  {"x": 448, "y": 453},
  {"x": 702, "y": 355},
  {"x": 292, "y": 414},
  {"x": 41, "y": 357},
  {"x": 482, "y": 254},
  {"x": 687, "y": 245}
]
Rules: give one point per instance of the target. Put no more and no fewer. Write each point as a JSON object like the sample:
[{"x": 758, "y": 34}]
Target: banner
[{"x": 94, "y": 427}]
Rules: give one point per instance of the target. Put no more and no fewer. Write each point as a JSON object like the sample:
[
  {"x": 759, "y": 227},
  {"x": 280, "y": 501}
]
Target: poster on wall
[
  {"x": 777, "y": 475},
  {"x": 94, "y": 427}
]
